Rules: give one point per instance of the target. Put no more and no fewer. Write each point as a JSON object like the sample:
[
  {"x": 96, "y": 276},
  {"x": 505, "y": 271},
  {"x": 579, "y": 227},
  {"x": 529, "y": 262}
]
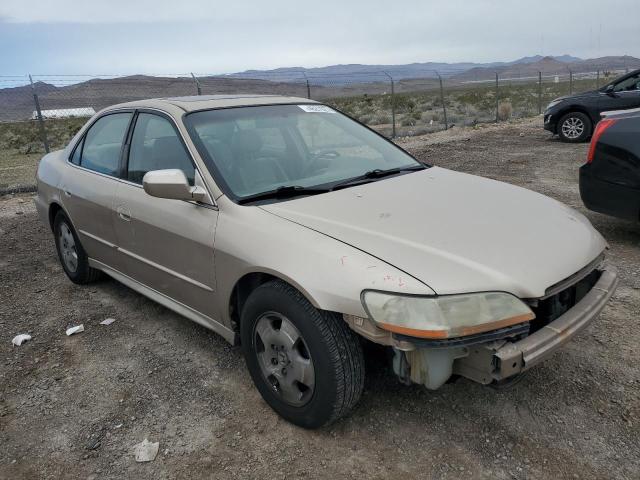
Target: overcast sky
[{"x": 156, "y": 36}]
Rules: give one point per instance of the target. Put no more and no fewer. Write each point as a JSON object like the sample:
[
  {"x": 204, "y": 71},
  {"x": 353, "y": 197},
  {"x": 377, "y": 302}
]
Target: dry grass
[{"x": 21, "y": 148}]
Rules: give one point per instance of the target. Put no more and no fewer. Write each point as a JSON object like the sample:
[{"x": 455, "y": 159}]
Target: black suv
[{"x": 574, "y": 117}]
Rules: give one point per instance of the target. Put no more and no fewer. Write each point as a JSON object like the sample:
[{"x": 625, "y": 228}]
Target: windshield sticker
[{"x": 317, "y": 109}]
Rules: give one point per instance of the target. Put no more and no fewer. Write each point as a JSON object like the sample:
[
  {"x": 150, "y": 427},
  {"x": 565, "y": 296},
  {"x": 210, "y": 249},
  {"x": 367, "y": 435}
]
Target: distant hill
[
  {"x": 548, "y": 66},
  {"x": 17, "y": 103},
  {"x": 537, "y": 58},
  {"x": 325, "y": 82},
  {"x": 359, "y": 73}
]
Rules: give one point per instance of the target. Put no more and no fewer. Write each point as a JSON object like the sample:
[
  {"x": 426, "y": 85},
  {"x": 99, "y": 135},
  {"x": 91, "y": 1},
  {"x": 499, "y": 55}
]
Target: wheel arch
[
  {"x": 576, "y": 108},
  {"x": 246, "y": 284},
  {"x": 54, "y": 208}
]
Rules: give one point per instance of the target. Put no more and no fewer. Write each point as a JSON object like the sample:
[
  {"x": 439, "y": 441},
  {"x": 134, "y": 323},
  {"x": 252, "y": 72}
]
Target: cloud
[
  {"x": 154, "y": 36},
  {"x": 139, "y": 11}
]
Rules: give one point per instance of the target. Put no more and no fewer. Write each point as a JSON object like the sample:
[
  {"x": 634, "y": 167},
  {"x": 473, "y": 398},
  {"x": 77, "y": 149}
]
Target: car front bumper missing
[{"x": 503, "y": 359}]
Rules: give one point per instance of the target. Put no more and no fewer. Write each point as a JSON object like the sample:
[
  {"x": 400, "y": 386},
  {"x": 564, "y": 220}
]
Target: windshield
[{"x": 251, "y": 150}]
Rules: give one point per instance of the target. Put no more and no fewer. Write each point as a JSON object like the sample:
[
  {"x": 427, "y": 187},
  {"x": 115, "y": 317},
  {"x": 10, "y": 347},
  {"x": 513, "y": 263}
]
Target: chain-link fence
[{"x": 42, "y": 112}]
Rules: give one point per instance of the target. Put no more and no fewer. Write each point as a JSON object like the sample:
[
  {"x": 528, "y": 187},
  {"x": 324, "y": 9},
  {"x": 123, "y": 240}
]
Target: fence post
[
  {"x": 393, "y": 106},
  {"x": 539, "y": 93},
  {"x": 497, "y": 99},
  {"x": 306, "y": 79},
  {"x": 197, "y": 82},
  {"x": 570, "y": 82},
  {"x": 444, "y": 107},
  {"x": 43, "y": 131},
  {"x": 598, "y": 79}
]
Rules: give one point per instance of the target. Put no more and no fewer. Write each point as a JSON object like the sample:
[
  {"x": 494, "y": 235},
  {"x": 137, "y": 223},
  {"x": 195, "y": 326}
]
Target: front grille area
[{"x": 550, "y": 308}]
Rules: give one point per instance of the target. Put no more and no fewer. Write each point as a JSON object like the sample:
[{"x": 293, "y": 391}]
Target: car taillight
[{"x": 600, "y": 129}]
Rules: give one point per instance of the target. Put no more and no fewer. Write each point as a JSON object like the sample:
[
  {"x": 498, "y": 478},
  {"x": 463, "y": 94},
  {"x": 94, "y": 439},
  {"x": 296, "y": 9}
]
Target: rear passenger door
[
  {"x": 165, "y": 244},
  {"x": 88, "y": 189}
]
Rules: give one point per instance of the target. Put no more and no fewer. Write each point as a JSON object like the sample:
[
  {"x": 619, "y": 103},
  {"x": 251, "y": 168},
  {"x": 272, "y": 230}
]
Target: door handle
[
  {"x": 124, "y": 213},
  {"x": 67, "y": 193}
]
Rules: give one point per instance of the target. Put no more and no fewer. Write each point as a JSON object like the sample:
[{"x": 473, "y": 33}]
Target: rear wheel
[
  {"x": 574, "y": 127},
  {"x": 306, "y": 363},
  {"x": 72, "y": 256}
]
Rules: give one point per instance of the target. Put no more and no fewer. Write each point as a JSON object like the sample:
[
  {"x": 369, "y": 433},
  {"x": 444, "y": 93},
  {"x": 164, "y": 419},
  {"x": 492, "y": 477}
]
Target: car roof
[{"x": 205, "y": 102}]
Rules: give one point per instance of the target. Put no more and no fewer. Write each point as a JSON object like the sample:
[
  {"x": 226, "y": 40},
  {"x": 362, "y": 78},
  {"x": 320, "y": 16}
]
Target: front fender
[{"x": 330, "y": 273}]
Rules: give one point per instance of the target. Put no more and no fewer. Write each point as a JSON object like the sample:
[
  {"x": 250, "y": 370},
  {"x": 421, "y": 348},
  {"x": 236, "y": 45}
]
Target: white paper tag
[{"x": 317, "y": 109}]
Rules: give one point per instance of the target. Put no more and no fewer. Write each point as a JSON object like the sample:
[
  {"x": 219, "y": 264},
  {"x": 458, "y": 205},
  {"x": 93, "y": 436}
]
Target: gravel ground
[{"x": 73, "y": 407}]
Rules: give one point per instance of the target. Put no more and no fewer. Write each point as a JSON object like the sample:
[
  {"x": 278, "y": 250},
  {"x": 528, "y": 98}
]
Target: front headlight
[{"x": 445, "y": 316}]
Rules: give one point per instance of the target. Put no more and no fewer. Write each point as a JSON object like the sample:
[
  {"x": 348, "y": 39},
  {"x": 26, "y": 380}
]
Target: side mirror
[
  {"x": 171, "y": 184},
  {"x": 609, "y": 89}
]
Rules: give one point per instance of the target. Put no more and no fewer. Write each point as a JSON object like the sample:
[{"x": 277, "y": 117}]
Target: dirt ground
[{"x": 73, "y": 407}]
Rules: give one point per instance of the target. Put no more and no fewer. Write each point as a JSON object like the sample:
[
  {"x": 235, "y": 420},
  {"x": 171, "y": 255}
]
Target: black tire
[
  {"x": 83, "y": 273},
  {"x": 569, "y": 135},
  {"x": 335, "y": 351}
]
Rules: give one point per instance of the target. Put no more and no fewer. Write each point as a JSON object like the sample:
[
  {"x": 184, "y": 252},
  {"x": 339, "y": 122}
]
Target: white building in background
[{"x": 65, "y": 113}]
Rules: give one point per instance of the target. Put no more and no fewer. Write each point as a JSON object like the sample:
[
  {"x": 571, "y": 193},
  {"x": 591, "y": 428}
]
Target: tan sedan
[{"x": 295, "y": 231}]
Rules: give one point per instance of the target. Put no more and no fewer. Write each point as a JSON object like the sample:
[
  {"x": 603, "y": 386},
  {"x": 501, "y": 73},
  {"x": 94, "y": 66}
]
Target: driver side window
[
  {"x": 155, "y": 145},
  {"x": 630, "y": 84}
]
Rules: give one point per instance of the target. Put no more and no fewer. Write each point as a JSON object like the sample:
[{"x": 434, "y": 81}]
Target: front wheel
[
  {"x": 574, "y": 127},
  {"x": 306, "y": 363}
]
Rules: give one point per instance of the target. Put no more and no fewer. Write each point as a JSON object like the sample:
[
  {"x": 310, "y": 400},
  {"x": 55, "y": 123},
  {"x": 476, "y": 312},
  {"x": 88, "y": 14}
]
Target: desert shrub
[
  {"x": 408, "y": 121},
  {"x": 505, "y": 109},
  {"x": 26, "y": 135},
  {"x": 381, "y": 118}
]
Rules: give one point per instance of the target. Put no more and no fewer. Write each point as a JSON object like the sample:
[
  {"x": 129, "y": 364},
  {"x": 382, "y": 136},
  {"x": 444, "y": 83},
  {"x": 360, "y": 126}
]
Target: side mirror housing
[
  {"x": 172, "y": 184},
  {"x": 609, "y": 89}
]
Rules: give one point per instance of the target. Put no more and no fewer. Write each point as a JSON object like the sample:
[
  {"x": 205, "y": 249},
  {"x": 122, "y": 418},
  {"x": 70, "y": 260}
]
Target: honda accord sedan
[{"x": 299, "y": 234}]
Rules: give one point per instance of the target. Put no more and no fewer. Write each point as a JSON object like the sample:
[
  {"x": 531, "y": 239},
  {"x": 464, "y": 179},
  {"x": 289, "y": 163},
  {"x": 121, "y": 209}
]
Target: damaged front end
[{"x": 493, "y": 356}]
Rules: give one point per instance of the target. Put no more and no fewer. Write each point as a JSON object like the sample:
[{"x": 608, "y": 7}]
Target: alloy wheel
[{"x": 572, "y": 128}]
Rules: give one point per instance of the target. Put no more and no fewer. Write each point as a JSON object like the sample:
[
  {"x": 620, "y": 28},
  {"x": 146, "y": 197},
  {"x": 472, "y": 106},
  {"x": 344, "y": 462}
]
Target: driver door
[{"x": 625, "y": 95}]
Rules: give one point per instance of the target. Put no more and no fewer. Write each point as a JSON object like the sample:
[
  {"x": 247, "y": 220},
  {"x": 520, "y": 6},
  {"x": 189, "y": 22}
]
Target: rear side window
[
  {"x": 155, "y": 145},
  {"x": 102, "y": 144}
]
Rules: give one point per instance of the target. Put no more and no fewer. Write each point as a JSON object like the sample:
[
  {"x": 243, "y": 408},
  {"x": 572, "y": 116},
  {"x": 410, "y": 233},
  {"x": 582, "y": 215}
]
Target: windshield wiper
[
  {"x": 373, "y": 175},
  {"x": 286, "y": 191}
]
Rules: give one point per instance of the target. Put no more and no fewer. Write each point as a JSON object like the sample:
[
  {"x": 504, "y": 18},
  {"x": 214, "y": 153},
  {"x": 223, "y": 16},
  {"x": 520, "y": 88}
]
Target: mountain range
[
  {"x": 324, "y": 82},
  {"x": 345, "y": 74}
]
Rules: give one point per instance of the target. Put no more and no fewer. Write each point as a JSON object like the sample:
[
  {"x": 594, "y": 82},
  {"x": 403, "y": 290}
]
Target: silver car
[{"x": 300, "y": 234}]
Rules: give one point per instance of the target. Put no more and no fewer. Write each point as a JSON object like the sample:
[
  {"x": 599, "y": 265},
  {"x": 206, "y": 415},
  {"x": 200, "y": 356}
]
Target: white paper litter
[
  {"x": 107, "y": 321},
  {"x": 72, "y": 330},
  {"x": 146, "y": 451},
  {"x": 20, "y": 339}
]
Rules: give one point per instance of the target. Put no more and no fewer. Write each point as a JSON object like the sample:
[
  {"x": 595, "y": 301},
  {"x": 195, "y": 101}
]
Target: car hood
[
  {"x": 577, "y": 96},
  {"x": 455, "y": 232}
]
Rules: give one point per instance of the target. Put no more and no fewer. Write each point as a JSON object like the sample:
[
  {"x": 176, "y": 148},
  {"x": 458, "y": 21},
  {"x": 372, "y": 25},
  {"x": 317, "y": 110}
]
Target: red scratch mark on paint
[
  {"x": 387, "y": 278},
  {"x": 342, "y": 259},
  {"x": 401, "y": 283}
]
